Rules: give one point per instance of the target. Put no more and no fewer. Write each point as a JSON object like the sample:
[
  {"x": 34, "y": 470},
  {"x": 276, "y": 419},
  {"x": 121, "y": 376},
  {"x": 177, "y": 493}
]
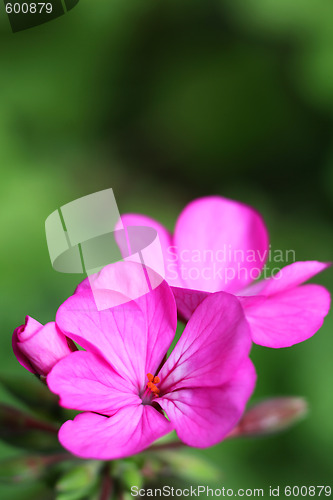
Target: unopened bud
[
  {"x": 271, "y": 416},
  {"x": 39, "y": 347}
]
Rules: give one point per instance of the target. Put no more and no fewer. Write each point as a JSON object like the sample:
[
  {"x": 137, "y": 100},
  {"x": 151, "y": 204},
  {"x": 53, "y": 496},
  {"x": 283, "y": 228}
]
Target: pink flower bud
[
  {"x": 271, "y": 416},
  {"x": 39, "y": 347}
]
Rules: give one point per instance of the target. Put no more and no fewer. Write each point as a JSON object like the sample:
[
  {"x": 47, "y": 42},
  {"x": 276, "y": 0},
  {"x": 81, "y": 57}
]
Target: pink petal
[
  {"x": 160, "y": 311},
  {"x": 84, "y": 381},
  {"x": 142, "y": 220},
  {"x": 213, "y": 236},
  {"x": 38, "y": 347},
  {"x": 119, "y": 334},
  {"x": 204, "y": 416},
  {"x": 187, "y": 301},
  {"x": 215, "y": 341},
  {"x": 288, "y": 317},
  {"x": 288, "y": 277},
  {"x": 21, "y": 358},
  {"x": 129, "y": 431}
]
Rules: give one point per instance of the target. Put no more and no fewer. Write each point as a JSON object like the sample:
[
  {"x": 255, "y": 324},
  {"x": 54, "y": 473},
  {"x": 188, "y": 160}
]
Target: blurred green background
[{"x": 164, "y": 102}]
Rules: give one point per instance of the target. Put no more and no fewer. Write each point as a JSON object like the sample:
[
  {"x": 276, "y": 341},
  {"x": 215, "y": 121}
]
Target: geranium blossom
[
  {"x": 123, "y": 382},
  {"x": 219, "y": 244}
]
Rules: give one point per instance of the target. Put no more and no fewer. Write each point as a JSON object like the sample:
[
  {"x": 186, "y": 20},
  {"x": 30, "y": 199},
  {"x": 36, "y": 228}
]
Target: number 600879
[{"x": 28, "y": 8}]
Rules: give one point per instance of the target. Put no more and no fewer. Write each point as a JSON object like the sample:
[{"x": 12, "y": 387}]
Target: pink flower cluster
[{"x": 127, "y": 385}]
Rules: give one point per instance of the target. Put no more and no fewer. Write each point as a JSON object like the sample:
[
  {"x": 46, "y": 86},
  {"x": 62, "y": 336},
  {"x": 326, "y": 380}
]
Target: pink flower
[
  {"x": 38, "y": 347},
  {"x": 123, "y": 384},
  {"x": 220, "y": 244}
]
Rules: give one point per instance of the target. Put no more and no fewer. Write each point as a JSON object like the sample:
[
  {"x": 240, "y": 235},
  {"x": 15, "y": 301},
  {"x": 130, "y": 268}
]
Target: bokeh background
[{"x": 165, "y": 102}]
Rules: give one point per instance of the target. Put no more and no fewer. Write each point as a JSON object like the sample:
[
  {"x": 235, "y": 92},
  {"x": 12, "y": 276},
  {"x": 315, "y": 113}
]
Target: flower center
[{"x": 152, "y": 381}]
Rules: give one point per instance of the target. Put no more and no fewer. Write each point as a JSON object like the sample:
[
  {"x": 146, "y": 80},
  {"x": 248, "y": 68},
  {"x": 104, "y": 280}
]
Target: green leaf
[
  {"x": 78, "y": 477},
  {"x": 191, "y": 467},
  {"x": 72, "y": 495},
  {"x": 78, "y": 482},
  {"x": 130, "y": 474}
]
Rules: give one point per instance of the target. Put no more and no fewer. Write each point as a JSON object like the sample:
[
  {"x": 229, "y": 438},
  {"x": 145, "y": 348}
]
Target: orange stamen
[{"x": 151, "y": 384}]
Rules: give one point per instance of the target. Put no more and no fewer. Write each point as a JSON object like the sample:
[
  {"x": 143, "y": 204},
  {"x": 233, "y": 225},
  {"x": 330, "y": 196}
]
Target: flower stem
[
  {"x": 107, "y": 484},
  {"x": 15, "y": 419}
]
